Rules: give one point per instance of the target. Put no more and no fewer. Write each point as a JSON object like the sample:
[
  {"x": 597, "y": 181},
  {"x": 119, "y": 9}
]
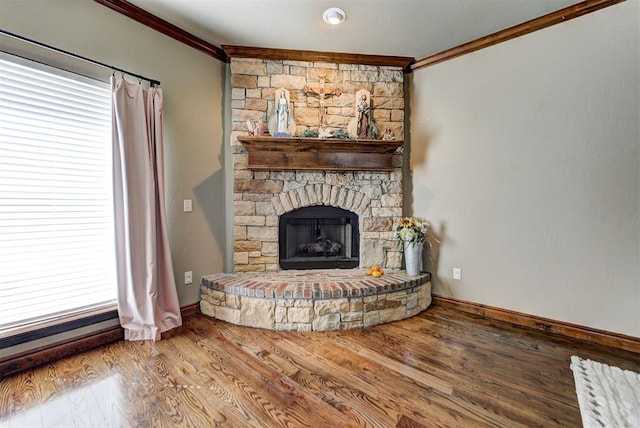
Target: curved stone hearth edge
[{"x": 314, "y": 300}]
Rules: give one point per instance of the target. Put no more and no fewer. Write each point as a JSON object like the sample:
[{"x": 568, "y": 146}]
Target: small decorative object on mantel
[
  {"x": 388, "y": 134},
  {"x": 373, "y": 133},
  {"x": 342, "y": 135},
  {"x": 309, "y": 133},
  {"x": 410, "y": 234},
  {"x": 281, "y": 123},
  {"x": 250, "y": 128},
  {"x": 325, "y": 132}
]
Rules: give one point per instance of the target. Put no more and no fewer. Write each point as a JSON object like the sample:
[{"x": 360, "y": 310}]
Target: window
[{"x": 57, "y": 251}]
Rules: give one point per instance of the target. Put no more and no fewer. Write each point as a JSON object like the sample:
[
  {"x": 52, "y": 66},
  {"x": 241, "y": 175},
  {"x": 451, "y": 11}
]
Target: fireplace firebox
[{"x": 319, "y": 237}]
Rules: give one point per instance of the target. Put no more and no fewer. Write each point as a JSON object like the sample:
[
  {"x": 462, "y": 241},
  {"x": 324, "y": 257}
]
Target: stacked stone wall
[
  {"x": 254, "y": 82},
  {"x": 260, "y": 197}
]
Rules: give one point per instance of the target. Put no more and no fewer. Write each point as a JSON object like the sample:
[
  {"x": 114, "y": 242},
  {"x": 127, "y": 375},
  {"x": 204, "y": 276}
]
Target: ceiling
[{"x": 412, "y": 28}]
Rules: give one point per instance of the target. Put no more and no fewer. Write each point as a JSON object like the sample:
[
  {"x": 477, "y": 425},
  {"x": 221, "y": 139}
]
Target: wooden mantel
[{"x": 320, "y": 154}]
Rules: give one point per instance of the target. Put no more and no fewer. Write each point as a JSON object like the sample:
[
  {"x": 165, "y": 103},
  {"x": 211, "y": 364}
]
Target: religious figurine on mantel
[
  {"x": 363, "y": 126},
  {"x": 388, "y": 134},
  {"x": 281, "y": 123},
  {"x": 364, "y": 110},
  {"x": 283, "y": 114},
  {"x": 322, "y": 93}
]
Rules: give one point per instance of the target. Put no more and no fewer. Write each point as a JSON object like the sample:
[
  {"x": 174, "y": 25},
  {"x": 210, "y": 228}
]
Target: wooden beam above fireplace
[{"x": 320, "y": 154}]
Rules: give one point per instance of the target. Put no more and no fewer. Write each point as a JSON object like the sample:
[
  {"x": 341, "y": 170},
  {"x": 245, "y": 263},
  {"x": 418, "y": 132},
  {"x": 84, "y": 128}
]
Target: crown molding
[
  {"x": 408, "y": 64},
  {"x": 536, "y": 24},
  {"x": 316, "y": 56},
  {"x": 145, "y": 18}
]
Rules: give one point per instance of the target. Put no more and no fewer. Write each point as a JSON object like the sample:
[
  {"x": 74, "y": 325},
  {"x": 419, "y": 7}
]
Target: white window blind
[{"x": 57, "y": 252}]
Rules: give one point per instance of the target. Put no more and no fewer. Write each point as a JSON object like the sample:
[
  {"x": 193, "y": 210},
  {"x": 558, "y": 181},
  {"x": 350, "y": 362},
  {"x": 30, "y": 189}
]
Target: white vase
[{"x": 413, "y": 257}]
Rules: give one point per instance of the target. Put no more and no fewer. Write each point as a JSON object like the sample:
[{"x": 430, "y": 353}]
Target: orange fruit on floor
[
  {"x": 369, "y": 271},
  {"x": 375, "y": 267},
  {"x": 376, "y": 274}
]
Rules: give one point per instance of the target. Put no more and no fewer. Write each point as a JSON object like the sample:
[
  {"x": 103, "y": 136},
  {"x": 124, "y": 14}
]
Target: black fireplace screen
[{"x": 319, "y": 237}]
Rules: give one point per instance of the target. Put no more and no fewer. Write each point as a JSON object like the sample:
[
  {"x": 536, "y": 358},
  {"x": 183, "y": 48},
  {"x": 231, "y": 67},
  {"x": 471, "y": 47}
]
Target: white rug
[{"x": 608, "y": 396}]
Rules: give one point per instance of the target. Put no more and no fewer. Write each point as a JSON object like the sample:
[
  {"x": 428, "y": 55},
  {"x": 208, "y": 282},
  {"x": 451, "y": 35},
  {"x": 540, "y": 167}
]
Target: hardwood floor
[{"x": 441, "y": 368}]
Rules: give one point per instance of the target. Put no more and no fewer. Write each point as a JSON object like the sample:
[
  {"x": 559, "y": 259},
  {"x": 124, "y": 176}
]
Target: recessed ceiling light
[{"x": 334, "y": 16}]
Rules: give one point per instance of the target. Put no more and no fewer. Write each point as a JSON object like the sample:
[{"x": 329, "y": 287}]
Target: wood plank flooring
[{"x": 442, "y": 368}]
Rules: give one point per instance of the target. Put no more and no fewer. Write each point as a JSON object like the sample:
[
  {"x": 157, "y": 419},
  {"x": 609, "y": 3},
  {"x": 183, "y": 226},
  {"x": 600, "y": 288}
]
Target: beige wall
[
  {"x": 526, "y": 158},
  {"x": 193, "y": 85}
]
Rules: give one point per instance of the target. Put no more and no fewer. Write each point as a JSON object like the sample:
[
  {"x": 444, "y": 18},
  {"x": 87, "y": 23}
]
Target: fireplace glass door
[{"x": 319, "y": 237}]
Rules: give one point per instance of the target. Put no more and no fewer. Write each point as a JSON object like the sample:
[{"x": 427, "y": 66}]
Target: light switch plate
[{"x": 188, "y": 206}]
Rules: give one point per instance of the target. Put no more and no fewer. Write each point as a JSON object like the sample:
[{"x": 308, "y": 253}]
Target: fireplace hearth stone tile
[{"x": 314, "y": 300}]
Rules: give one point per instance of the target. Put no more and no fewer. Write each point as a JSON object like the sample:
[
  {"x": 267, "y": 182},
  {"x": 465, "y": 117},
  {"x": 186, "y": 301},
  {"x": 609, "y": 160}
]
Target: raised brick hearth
[{"x": 315, "y": 300}]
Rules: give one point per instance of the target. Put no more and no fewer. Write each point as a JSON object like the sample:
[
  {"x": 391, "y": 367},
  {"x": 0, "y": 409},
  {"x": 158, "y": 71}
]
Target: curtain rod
[{"x": 153, "y": 82}]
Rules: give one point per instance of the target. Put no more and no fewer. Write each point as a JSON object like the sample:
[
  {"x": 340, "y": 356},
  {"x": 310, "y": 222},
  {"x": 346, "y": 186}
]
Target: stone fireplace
[
  {"x": 256, "y": 234},
  {"x": 263, "y": 195},
  {"x": 309, "y": 212}
]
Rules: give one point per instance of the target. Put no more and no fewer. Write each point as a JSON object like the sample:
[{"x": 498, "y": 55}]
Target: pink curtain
[{"x": 147, "y": 298}]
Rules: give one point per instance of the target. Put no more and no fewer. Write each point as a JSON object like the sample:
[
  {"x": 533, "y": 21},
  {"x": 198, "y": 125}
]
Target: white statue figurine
[{"x": 282, "y": 113}]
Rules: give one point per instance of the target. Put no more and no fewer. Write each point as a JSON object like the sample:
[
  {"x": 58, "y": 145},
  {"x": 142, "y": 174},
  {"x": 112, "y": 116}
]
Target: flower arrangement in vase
[{"x": 410, "y": 234}]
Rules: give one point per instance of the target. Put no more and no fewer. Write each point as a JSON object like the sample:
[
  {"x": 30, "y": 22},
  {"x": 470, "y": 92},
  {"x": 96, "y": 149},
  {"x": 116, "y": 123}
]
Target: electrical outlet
[
  {"x": 188, "y": 206},
  {"x": 457, "y": 273},
  {"x": 188, "y": 278}
]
